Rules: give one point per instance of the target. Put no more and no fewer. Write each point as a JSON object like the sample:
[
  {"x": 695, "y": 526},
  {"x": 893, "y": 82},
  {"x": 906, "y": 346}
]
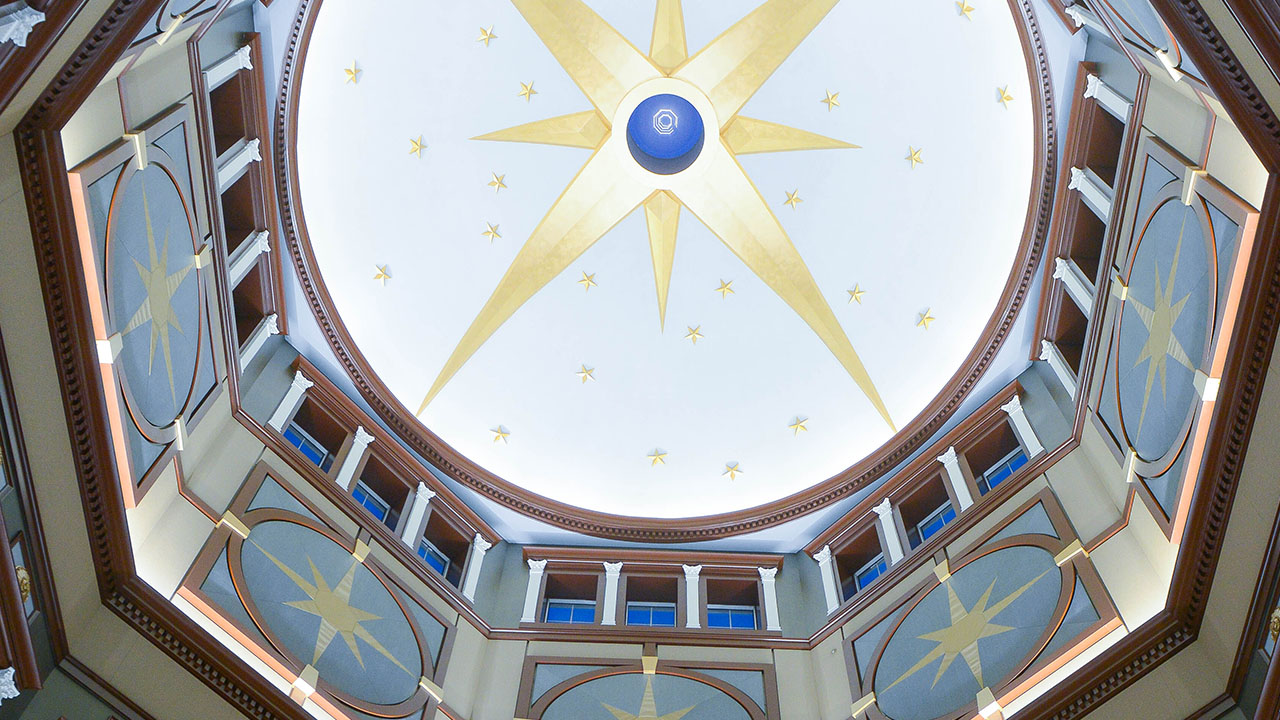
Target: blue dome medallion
[{"x": 665, "y": 134}]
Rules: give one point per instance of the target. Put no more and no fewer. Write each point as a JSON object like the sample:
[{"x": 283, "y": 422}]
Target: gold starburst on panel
[
  {"x": 498, "y": 182},
  {"x": 728, "y": 71},
  {"x": 417, "y": 146},
  {"x": 1162, "y": 343},
  {"x": 648, "y": 703},
  {"x": 832, "y": 100},
  {"x": 382, "y": 275},
  {"x": 725, "y": 289},
  {"x": 526, "y": 91},
  {"x": 353, "y": 73},
  {"x": 588, "y": 281},
  {"x": 1003, "y": 97},
  {"x": 925, "y": 319},
  {"x": 486, "y": 36},
  {"x": 798, "y": 426},
  {"x": 585, "y": 374},
  {"x": 491, "y": 232},
  {"x": 500, "y": 433},
  {"x": 793, "y": 199},
  {"x": 913, "y": 155},
  {"x": 694, "y": 334},
  {"x": 657, "y": 457},
  {"x": 965, "y": 9},
  {"x": 855, "y": 295},
  {"x": 733, "y": 471}
]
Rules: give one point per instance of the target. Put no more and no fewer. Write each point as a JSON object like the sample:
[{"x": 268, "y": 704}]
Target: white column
[
  {"x": 955, "y": 478},
  {"x": 1110, "y": 100},
  {"x": 269, "y": 326},
  {"x": 1083, "y": 17},
  {"x": 767, "y": 578},
  {"x": 289, "y": 404},
  {"x": 247, "y": 152},
  {"x": 417, "y": 515},
  {"x": 17, "y": 20},
  {"x": 1050, "y": 354},
  {"x": 347, "y": 472},
  {"x": 536, "y": 567},
  {"x": 1022, "y": 427},
  {"x": 893, "y": 544},
  {"x": 692, "y": 601},
  {"x": 1077, "y": 285},
  {"x": 1093, "y": 190},
  {"x": 228, "y": 66},
  {"x": 479, "y": 546},
  {"x": 612, "y": 571},
  {"x": 246, "y": 256},
  {"x": 830, "y": 589}
]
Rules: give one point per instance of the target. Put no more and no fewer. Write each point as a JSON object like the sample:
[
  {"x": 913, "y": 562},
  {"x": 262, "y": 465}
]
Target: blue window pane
[
  {"x": 434, "y": 559},
  {"x": 664, "y": 618},
  {"x": 559, "y": 614},
  {"x": 371, "y": 502},
  {"x": 638, "y": 616},
  {"x": 866, "y": 576},
  {"x": 743, "y": 620},
  {"x": 718, "y": 619},
  {"x": 1018, "y": 461},
  {"x": 584, "y": 614}
]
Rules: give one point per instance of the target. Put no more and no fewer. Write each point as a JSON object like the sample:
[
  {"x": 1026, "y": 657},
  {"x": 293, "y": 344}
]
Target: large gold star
[
  {"x": 486, "y": 36},
  {"x": 723, "y": 76},
  {"x": 967, "y": 627},
  {"x": 832, "y": 100},
  {"x": 333, "y": 606},
  {"x": 157, "y": 307},
  {"x": 648, "y": 707},
  {"x": 1162, "y": 343},
  {"x": 526, "y": 91}
]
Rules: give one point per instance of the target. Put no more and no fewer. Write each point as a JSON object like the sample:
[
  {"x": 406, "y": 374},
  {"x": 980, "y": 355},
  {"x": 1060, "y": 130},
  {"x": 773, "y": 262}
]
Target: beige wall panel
[
  {"x": 402, "y": 573},
  {"x": 1232, "y": 163},
  {"x": 539, "y": 648},
  {"x": 966, "y": 540},
  {"x": 797, "y": 693},
  {"x": 715, "y": 654},
  {"x": 1136, "y": 589},
  {"x": 1175, "y": 119},
  {"x": 466, "y": 667},
  {"x": 158, "y": 81},
  {"x": 500, "y": 682},
  {"x": 1084, "y": 497},
  {"x": 231, "y": 453},
  {"x": 831, "y": 677},
  {"x": 164, "y": 554},
  {"x": 892, "y": 597},
  {"x": 288, "y": 476},
  {"x": 95, "y": 126}
]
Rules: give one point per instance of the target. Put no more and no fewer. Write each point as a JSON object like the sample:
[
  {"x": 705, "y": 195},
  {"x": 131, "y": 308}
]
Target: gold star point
[
  {"x": 925, "y": 319},
  {"x": 486, "y": 36},
  {"x": 500, "y": 433},
  {"x": 498, "y": 182},
  {"x": 657, "y": 457},
  {"x": 798, "y": 426},
  {"x": 855, "y": 295},
  {"x": 416, "y": 146},
  {"x": 491, "y": 232},
  {"x": 585, "y": 374},
  {"x": 914, "y": 156},
  {"x": 732, "y": 470},
  {"x": 725, "y": 289},
  {"x": 965, "y": 9},
  {"x": 526, "y": 91},
  {"x": 382, "y": 275},
  {"x": 793, "y": 199},
  {"x": 353, "y": 73},
  {"x": 1003, "y": 96},
  {"x": 694, "y": 334},
  {"x": 588, "y": 281},
  {"x": 832, "y": 100}
]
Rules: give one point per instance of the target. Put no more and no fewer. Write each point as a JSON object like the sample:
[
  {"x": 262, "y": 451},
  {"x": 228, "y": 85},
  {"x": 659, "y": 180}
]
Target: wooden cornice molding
[{"x": 635, "y": 559}]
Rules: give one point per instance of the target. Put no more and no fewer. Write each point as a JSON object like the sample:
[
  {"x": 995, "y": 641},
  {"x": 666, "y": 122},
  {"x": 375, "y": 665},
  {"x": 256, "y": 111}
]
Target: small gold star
[
  {"x": 856, "y": 294},
  {"x": 798, "y": 426},
  {"x": 965, "y": 8},
  {"x": 486, "y": 36},
  {"x": 588, "y": 281},
  {"x": 417, "y": 146},
  {"x": 1004, "y": 98},
  {"x": 585, "y": 374},
  {"x": 732, "y": 470},
  {"x": 353, "y": 73},
  {"x": 657, "y": 457},
  {"x": 925, "y": 319},
  {"x": 491, "y": 232},
  {"x": 793, "y": 199},
  {"x": 497, "y": 182},
  {"x": 500, "y": 433},
  {"x": 914, "y": 156},
  {"x": 694, "y": 334},
  {"x": 383, "y": 276},
  {"x": 526, "y": 91},
  {"x": 725, "y": 289},
  {"x": 832, "y": 100}
]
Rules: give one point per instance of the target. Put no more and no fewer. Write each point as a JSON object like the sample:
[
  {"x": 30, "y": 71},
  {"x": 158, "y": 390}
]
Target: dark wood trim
[
  {"x": 103, "y": 690},
  {"x": 722, "y": 564},
  {"x": 15, "y": 631}
]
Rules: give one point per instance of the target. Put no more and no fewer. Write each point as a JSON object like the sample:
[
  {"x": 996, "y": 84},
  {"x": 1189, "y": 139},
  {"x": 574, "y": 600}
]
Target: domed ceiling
[{"x": 667, "y": 259}]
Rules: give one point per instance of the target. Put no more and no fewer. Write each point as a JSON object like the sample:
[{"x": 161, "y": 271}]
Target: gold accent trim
[
  {"x": 1070, "y": 551},
  {"x": 746, "y": 135},
  {"x": 668, "y": 48},
  {"x": 361, "y": 551},
  {"x": 434, "y": 690},
  {"x": 942, "y": 570},
  {"x": 581, "y": 130},
  {"x": 987, "y": 705},
  {"x": 235, "y": 524},
  {"x": 650, "y": 664},
  {"x": 662, "y": 216},
  {"x": 24, "y": 582},
  {"x": 862, "y": 704}
]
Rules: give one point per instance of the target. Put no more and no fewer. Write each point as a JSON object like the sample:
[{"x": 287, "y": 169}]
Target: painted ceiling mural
[
  {"x": 581, "y": 692},
  {"x": 628, "y": 253}
]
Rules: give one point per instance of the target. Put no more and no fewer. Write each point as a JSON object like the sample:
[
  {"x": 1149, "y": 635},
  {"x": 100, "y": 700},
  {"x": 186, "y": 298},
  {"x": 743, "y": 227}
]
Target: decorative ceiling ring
[{"x": 559, "y": 514}]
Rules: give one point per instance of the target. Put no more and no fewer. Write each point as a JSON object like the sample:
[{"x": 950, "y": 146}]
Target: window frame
[
  {"x": 326, "y": 463},
  {"x": 572, "y": 603},
  {"x": 710, "y": 608}
]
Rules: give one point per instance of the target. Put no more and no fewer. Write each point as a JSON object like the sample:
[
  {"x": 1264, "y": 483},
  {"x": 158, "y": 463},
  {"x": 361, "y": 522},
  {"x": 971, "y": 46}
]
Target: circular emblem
[
  {"x": 658, "y": 139},
  {"x": 665, "y": 122}
]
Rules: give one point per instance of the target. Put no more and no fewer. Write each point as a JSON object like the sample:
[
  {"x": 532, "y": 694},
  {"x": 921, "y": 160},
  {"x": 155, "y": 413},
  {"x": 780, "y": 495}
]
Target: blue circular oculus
[{"x": 665, "y": 134}]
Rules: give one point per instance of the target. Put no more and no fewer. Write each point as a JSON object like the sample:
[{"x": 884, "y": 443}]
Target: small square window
[
  {"x": 734, "y": 617},
  {"x": 570, "y": 612},
  {"x": 437, "y": 560},
  {"x": 1001, "y": 471},
  {"x": 651, "y": 614},
  {"x": 869, "y": 572},
  {"x": 371, "y": 502},
  {"x": 310, "y": 447}
]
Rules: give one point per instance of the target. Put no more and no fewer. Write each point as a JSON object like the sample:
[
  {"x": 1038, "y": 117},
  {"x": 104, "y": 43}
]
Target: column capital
[
  {"x": 362, "y": 437},
  {"x": 949, "y": 457},
  {"x": 424, "y": 493},
  {"x": 262, "y": 239},
  {"x": 823, "y": 555},
  {"x": 612, "y": 570},
  {"x": 481, "y": 544},
  {"x": 691, "y": 571},
  {"x": 884, "y": 509},
  {"x": 302, "y": 382},
  {"x": 272, "y": 323},
  {"x": 1077, "y": 178},
  {"x": 1046, "y": 350},
  {"x": 767, "y": 574},
  {"x": 1014, "y": 406},
  {"x": 537, "y": 566},
  {"x": 17, "y": 24},
  {"x": 1092, "y": 84}
]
